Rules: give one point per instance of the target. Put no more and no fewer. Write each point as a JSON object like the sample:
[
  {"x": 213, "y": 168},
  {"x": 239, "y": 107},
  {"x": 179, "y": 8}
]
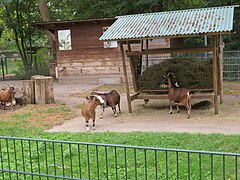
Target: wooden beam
[
  {"x": 165, "y": 96},
  {"x": 166, "y": 90},
  {"x": 126, "y": 78},
  {"x": 169, "y": 51},
  {"x": 215, "y": 75},
  {"x": 221, "y": 46},
  {"x": 133, "y": 69},
  {"x": 174, "y": 36},
  {"x": 147, "y": 46},
  {"x": 134, "y": 96}
]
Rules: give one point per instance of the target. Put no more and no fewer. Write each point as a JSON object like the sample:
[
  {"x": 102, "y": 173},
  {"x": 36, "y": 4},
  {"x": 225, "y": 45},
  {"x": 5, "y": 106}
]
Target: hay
[{"x": 190, "y": 73}]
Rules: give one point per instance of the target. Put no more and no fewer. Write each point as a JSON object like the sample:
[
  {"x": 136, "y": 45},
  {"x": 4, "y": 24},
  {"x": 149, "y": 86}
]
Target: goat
[
  {"x": 112, "y": 99},
  {"x": 178, "y": 95},
  {"x": 88, "y": 110},
  {"x": 7, "y": 96}
]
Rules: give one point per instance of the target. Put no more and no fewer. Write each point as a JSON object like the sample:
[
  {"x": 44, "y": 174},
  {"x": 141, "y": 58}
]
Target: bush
[{"x": 40, "y": 66}]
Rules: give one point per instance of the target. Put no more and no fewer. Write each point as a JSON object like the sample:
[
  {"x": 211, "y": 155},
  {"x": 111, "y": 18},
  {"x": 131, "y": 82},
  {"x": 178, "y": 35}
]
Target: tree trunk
[{"x": 42, "y": 6}]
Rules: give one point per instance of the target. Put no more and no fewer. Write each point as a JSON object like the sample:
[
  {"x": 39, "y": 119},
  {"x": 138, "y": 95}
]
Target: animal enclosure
[{"x": 176, "y": 25}]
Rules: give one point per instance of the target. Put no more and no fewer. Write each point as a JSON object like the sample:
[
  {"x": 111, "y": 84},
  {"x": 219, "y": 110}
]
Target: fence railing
[{"x": 25, "y": 158}]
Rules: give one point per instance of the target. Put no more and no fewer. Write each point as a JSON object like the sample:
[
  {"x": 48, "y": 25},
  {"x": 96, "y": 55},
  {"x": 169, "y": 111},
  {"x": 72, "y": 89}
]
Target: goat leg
[
  {"x": 177, "y": 108},
  {"x": 101, "y": 115},
  {"x": 188, "y": 110},
  {"x": 170, "y": 102},
  {"x": 87, "y": 124},
  {"x": 94, "y": 125},
  {"x": 114, "y": 111}
]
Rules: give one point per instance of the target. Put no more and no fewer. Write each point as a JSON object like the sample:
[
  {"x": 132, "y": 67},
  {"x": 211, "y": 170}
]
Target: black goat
[{"x": 112, "y": 99}]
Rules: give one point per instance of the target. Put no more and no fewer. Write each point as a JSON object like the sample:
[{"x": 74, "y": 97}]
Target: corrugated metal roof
[{"x": 173, "y": 23}]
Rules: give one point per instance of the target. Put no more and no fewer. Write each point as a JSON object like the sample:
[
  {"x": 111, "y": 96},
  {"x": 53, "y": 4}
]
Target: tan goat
[
  {"x": 88, "y": 110},
  {"x": 7, "y": 96},
  {"x": 178, "y": 95}
]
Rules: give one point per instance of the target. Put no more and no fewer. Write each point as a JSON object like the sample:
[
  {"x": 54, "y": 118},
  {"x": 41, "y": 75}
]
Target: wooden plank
[
  {"x": 133, "y": 70},
  {"x": 166, "y": 90},
  {"x": 169, "y": 51},
  {"x": 149, "y": 96},
  {"x": 221, "y": 67},
  {"x": 126, "y": 79},
  {"x": 175, "y": 36},
  {"x": 134, "y": 96},
  {"x": 147, "y": 46}
]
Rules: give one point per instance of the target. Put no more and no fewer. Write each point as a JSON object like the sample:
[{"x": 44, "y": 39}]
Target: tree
[
  {"x": 232, "y": 42},
  {"x": 42, "y": 5},
  {"x": 18, "y": 15}
]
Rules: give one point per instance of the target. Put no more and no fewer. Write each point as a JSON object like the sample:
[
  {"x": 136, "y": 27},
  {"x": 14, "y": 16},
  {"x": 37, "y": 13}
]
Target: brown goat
[
  {"x": 112, "y": 99},
  {"x": 178, "y": 95},
  {"x": 88, "y": 110},
  {"x": 7, "y": 96}
]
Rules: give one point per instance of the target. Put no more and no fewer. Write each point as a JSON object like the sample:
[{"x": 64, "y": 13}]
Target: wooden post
[
  {"x": 49, "y": 90},
  {"x": 126, "y": 78},
  {"x": 28, "y": 90},
  {"x": 147, "y": 54},
  {"x": 215, "y": 74},
  {"x": 40, "y": 90},
  {"x": 221, "y": 67},
  {"x": 133, "y": 70}
]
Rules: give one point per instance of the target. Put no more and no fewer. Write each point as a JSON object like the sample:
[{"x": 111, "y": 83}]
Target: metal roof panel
[{"x": 172, "y": 23}]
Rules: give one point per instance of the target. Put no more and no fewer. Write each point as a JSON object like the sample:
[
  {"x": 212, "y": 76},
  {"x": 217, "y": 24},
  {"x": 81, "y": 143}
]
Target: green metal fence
[{"x": 24, "y": 158}]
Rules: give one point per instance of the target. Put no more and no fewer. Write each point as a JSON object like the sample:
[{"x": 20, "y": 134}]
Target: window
[{"x": 64, "y": 39}]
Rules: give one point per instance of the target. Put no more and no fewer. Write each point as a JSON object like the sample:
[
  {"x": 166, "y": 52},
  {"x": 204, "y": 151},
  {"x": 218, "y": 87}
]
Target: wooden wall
[{"x": 88, "y": 57}]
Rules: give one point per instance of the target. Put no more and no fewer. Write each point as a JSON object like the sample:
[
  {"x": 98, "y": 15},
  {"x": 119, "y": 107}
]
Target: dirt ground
[{"x": 152, "y": 117}]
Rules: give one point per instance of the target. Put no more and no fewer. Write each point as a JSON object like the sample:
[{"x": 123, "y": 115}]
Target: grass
[
  {"x": 40, "y": 117},
  {"x": 231, "y": 88},
  {"x": 12, "y": 65}
]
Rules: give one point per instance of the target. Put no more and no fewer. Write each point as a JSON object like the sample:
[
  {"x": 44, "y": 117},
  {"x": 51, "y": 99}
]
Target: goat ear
[
  {"x": 88, "y": 98},
  {"x": 94, "y": 91},
  {"x": 164, "y": 76}
]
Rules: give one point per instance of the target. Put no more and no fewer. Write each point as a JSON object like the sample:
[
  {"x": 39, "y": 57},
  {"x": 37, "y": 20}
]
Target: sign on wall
[{"x": 64, "y": 39}]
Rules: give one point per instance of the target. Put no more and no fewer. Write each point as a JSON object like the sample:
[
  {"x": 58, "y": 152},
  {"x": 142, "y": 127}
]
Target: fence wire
[{"x": 26, "y": 158}]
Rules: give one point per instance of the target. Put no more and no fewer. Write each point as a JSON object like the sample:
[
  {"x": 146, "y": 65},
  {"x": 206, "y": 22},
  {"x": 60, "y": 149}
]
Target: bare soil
[{"x": 153, "y": 117}]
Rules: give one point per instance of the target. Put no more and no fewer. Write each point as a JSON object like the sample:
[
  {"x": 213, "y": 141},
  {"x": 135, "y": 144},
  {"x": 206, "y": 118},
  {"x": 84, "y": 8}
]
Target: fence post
[
  {"x": 3, "y": 76},
  {"x": 6, "y": 66},
  {"x": 35, "y": 62}
]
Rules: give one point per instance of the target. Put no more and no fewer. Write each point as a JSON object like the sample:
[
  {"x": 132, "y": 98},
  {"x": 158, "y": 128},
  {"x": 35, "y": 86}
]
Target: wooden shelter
[{"x": 213, "y": 22}]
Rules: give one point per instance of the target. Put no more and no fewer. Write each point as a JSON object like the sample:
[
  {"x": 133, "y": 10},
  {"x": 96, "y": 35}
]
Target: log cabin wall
[{"x": 89, "y": 61}]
